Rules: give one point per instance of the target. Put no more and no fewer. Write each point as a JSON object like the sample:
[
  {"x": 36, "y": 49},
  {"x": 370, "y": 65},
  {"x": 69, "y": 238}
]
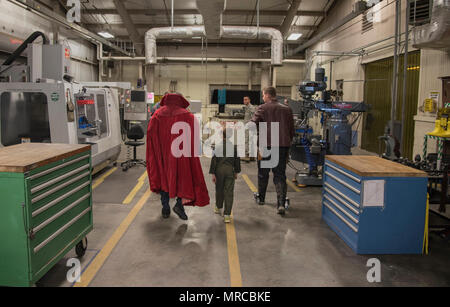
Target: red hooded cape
[{"x": 179, "y": 176}]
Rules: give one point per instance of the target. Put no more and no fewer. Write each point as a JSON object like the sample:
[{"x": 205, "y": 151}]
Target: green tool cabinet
[{"x": 45, "y": 208}]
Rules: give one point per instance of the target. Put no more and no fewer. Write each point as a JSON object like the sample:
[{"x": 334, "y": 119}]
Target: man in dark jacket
[{"x": 274, "y": 112}]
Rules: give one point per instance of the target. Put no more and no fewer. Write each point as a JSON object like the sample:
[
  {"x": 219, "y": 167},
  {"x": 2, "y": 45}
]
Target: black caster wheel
[
  {"x": 115, "y": 164},
  {"x": 124, "y": 169},
  {"x": 80, "y": 248},
  {"x": 256, "y": 197}
]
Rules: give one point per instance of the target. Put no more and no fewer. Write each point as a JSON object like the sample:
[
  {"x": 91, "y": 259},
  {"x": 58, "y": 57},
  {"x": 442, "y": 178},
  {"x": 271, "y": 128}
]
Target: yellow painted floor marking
[
  {"x": 249, "y": 183},
  {"x": 293, "y": 185},
  {"x": 103, "y": 177},
  {"x": 136, "y": 188},
  {"x": 233, "y": 256},
  {"x": 98, "y": 262}
]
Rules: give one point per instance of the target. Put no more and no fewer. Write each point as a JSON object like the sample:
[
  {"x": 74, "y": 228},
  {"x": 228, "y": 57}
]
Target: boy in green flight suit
[{"x": 224, "y": 172}]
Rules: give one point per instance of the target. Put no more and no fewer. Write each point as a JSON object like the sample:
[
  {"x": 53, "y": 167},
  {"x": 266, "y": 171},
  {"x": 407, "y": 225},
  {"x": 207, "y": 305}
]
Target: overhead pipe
[
  {"x": 405, "y": 72},
  {"x": 195, "y": 59},
  {"x": 395, "y": 68},
  {"x": 238, "y": 32}
]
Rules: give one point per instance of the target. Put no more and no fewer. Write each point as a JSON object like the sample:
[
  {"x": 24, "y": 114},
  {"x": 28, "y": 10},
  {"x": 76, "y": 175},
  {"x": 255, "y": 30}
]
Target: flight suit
[
  {"x": 249, "y": 111},
  {"x": 225, "y": 169}
]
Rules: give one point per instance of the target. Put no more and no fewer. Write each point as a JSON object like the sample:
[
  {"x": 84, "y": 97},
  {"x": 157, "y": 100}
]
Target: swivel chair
[{"x": 135, "y": 133}]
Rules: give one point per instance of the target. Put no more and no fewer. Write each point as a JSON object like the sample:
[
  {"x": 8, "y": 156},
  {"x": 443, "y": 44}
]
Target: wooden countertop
[
  {"x": 372, "y": 166},
  {"x": 24, "y": 157}
]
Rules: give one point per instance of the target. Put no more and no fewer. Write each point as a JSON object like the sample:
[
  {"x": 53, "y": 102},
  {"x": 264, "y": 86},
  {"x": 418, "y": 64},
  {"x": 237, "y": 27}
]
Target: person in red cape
[{"x": 173, "y": 165}]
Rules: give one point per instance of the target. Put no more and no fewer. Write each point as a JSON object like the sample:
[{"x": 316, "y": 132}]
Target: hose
[{"x": 24, "y": 45}]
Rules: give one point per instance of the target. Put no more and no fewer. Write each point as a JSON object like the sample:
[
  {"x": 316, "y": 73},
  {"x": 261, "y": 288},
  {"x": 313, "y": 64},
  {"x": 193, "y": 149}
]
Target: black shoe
[
  {"x": 180, "y": 212},
  {"x": 281, "y": 210},
  {"x": 165, "y": 213}
]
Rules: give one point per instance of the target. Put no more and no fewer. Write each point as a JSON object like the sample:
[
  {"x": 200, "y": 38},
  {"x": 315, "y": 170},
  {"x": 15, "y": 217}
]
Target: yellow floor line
[
  {"x": 137, "y": 187},
  {"x": 233, "y": 256},
  {"x": 103, "y": 177},
  {"x": 293, "y": 186},
  {"x": 249, "y": 183},
  {"x": 98, "y": 262}
]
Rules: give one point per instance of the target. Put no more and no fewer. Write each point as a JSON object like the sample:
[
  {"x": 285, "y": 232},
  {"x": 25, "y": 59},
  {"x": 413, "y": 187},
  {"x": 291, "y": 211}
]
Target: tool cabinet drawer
[
  {"x": 347, "y": 187},
  {"x": 52, "y": 174}
]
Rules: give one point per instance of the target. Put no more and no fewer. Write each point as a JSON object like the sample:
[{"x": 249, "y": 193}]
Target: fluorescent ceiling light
[
  {"x": 196, "y": 37},
  {"x": 294, "y": 36},
  {"x": 105, "y": 34}
]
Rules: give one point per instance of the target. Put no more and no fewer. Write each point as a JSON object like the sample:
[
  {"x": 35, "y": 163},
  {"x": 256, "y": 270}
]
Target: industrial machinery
[
  {"x": 337, "y": 130},
  {"x": 40, "y": 102}
]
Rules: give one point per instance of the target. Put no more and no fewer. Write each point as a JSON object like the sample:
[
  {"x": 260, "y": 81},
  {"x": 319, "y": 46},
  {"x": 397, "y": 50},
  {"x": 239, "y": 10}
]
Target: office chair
[{"x": 135, "y": 133}]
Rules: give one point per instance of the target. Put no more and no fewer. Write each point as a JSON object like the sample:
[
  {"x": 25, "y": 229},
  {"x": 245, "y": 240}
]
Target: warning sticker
[{"x": 55, "y": 96}]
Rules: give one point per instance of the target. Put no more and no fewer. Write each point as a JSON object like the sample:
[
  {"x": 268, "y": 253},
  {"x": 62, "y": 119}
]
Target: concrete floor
[{"x": 297, "y": 250}]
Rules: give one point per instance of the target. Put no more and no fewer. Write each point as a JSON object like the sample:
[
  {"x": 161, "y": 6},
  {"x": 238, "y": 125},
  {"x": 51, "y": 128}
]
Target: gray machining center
[{"x": 40, "y": 102}]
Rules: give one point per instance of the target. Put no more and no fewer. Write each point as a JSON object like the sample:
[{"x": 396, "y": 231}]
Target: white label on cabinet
[{"x": 373, "y": 193}]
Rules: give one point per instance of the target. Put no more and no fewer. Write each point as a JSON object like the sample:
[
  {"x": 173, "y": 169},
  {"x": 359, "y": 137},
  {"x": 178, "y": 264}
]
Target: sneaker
[
  {"x": 281, "y": 210},
  {"x": 217, "y": 210},
  {"x": 180, "y": 212},
  {"x": 227, "y": 219}
]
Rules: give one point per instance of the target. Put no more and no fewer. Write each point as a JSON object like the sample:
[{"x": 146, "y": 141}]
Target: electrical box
[{"x": 55, "y": 62}]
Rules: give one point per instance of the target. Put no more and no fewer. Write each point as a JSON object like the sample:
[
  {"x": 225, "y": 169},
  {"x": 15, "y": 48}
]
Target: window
[
  {"x": 420, "y": 12},
  {"x": 24, "y": 115}
]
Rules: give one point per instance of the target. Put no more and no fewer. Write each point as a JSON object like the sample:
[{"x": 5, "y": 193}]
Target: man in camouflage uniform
[{"x": 249, "y": 110}]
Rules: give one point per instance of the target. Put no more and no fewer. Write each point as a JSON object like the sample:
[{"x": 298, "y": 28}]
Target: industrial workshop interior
[{"x": 224, "y": 144}]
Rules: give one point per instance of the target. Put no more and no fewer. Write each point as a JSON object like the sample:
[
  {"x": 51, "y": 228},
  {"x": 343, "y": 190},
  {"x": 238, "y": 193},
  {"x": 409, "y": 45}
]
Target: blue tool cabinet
[{"x": 375, "y": 205}]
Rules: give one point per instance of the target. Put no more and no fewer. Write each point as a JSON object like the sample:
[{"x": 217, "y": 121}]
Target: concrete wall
[
  {"x": 194, "y": 79},
  {"x": 434, "y": 64}
]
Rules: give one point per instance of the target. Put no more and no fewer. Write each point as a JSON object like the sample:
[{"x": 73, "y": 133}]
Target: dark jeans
[
  {"x": 165, "y": 201},
  {"x": 279, "y": 176}
]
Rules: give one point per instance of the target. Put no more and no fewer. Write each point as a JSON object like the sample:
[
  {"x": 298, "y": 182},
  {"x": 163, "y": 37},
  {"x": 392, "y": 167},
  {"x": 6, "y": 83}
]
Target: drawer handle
[
  {"x": 342, "y": 201},
  {"x": 59, "y": 231},
  {"x": 54, "y": 217},
  {"x": 57, "y": 200},
  {"x": 341, "y": 209},
  {"x": 43, "y": 195},
  {"x": 340, "y": 216},
  {"x": 343, "y": 173},
  {"x": 342, "y": 195},
  {"x": 57, "y": 167},
  {"x": 57, "y": 179},
  {"x": 343, "y": 183}
]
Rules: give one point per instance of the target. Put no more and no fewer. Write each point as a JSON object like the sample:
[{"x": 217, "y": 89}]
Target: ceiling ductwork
[
  {"x": 241, "y": 32},
  {"x": 211, "y": 11},
  {"x": 236, "y": 32},
  {"x": 436, "y": 34},
  {"x": 165, "y": 33}
]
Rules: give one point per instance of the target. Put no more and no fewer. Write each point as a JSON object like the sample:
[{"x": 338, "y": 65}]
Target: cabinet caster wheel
[
  {"x": 124, "y": 169},
  {"x": 115, "y": 164},
  {"x": 81, "y": 247}
]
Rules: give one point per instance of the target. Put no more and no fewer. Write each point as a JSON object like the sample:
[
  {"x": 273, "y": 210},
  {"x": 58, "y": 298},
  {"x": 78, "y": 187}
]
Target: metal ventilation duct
[
  {"x": 211, "y": 11},
  {"x": 167, "y": 32},
  {"x": 237, "y": 32},
  {"x": 259, "y": 33},
  {"x": 436, "y": 34}
]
